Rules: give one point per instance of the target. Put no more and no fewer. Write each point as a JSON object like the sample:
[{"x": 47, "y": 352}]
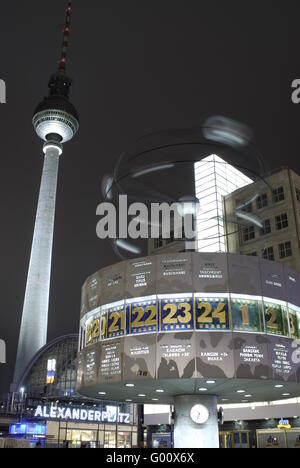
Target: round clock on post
[
  {"x": 199, "y": 414},
  {"x": 196, "y": 422}
]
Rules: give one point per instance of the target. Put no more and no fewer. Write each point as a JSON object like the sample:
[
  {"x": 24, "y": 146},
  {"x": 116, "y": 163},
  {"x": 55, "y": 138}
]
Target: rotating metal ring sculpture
[{"x": 156, "y": 153}]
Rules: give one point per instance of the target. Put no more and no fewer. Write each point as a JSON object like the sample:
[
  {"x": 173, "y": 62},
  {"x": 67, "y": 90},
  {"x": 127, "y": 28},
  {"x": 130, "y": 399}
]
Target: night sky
[{"x": 138, "y": 67}]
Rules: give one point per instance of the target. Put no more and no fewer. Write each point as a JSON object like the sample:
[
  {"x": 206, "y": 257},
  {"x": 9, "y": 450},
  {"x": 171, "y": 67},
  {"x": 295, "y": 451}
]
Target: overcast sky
[{"x": 139, "y": 66}]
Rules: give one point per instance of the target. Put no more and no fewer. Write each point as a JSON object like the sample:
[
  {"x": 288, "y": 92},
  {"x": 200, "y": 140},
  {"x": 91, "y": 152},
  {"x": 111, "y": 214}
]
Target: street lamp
[{"x": 22, "y": 392}]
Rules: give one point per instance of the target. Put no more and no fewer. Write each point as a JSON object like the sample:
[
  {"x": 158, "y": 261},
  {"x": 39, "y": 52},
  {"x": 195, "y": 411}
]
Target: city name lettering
[{"x": 76, "y": 414}]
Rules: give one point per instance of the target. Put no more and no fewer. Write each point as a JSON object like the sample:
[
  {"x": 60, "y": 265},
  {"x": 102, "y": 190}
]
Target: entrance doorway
[
  {"x": 79, "y": 438},
  {"x": 235, "y": 439}
]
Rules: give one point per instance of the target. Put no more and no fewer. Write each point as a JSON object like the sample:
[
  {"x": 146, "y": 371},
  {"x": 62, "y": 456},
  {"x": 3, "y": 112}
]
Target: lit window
[
  {"x": 278, "y": 194},
  {"x": 281, "y": 222},
  {"x": 248, "y": 233},
  {"x": 262, "y": 201},
  {"x": 285, "y": 250},
  {"x": 268, "y": 253},
  {"x": 266, "y": 229},
  {"x": 51, "y": 371}
]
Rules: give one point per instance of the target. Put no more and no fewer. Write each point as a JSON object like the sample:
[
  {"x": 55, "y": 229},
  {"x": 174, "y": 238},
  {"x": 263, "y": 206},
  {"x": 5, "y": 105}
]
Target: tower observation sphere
[{"x": 56, "y": 118}]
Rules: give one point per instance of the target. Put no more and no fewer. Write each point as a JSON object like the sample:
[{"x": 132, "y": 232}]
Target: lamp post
[{"x": 22, "y": 392}]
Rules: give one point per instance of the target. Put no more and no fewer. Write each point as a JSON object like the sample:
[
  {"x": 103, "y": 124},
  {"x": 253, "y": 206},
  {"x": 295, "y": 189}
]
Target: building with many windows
[
  {"x": 214, "y": 178},
  {"x": 275, "y": 203},
  {"x": 270, "y": 227}
]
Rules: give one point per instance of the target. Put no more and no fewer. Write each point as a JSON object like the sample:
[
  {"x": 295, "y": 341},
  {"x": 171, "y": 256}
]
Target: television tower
[{"x": 55, "y": 121}]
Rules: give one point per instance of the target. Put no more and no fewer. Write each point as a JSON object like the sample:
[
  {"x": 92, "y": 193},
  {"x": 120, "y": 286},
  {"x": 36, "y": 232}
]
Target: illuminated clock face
[{"x": 199, "y": 414}]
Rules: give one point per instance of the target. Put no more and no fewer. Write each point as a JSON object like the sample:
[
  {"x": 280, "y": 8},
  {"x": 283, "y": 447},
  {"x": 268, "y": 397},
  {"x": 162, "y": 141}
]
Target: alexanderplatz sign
[{"x": 111, "y": 415}]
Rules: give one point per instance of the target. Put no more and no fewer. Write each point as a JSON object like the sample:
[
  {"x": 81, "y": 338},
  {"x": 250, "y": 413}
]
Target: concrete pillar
[{"x": 190, "y": 434}]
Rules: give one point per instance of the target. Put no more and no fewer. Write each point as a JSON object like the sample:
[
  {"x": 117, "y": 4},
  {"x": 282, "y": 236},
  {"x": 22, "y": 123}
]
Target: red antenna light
[{"x": 66, "y": 35}]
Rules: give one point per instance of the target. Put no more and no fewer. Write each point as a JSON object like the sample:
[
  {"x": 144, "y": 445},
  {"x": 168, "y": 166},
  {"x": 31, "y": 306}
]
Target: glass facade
[
  {"x": 214, "y": 179},
  {"x": 54, "y": 372},
  {"x": 278, "y": 438},
  {"x": 78, "y": 435},
  {"x": 69, "y": 419}
]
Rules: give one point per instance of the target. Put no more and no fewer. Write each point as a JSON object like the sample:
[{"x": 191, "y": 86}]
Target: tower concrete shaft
[{"x": 33, "y": 332}]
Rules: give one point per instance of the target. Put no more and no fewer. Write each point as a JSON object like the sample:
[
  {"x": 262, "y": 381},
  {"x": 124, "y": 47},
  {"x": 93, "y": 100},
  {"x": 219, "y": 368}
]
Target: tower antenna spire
[{"x": 66, "y": 37}]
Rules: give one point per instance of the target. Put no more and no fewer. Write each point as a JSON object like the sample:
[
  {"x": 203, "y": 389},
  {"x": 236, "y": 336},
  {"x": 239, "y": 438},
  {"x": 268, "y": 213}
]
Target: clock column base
[{"x": 187, "y": 432}]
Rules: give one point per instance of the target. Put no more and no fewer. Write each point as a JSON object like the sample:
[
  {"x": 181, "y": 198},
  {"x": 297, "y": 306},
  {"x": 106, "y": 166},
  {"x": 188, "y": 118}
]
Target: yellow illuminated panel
[
  {"x": 192, "y": 312},
  {"x": 276, "y": 318},
  {"x": 176, "y": 314},
  {"x": 103, "y": 325},
  {"x": 294, "y": 324},
  {"x": 211, "y": 314},
  {"x": 93, "y": 331},
  {"x": 142, "y": 317},
  {"x": 115, "y": 322},
  {"x": 247, "y": 315}
]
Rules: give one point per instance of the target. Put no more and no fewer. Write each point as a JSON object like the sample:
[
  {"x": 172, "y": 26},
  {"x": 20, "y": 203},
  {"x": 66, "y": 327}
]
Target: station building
[
  {"x": 49, "y": 409},
  {"x": 276, "y": 201}
]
